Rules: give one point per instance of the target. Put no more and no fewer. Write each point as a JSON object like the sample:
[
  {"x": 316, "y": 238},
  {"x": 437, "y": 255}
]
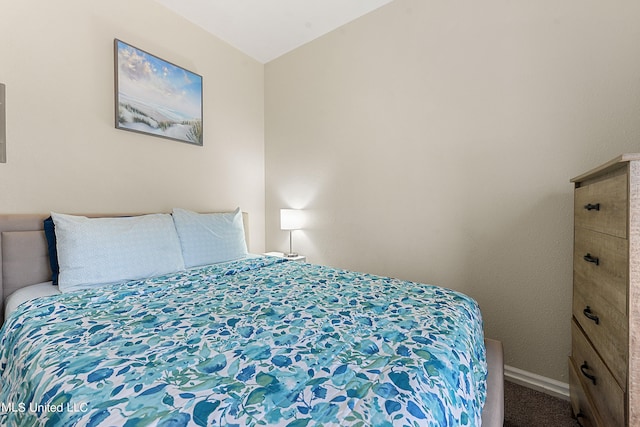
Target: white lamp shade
[{"x": 291, "y": 219}]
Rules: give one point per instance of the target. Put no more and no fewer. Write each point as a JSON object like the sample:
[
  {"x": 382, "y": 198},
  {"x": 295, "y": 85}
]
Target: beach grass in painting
[{"x": 156, "y": 97}]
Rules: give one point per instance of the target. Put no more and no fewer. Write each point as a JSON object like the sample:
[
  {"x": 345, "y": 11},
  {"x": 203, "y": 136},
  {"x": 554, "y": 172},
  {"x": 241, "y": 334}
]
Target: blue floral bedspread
[{"x": 249, "y": 343}]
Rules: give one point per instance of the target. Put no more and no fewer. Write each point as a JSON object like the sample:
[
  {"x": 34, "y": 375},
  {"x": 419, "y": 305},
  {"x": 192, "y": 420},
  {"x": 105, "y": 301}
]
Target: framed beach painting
[{"x": 156, "y": 97}]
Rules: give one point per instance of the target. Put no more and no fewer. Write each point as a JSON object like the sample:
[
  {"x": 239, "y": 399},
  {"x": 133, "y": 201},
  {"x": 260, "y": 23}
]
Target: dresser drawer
[
  {"x": 609, "y": 335},
  {"x": 601, "y": 266},
  {"x": 602, "y": 205},
  {"x": 598, "y": 384},
  {"x": 582, "y": 408}
]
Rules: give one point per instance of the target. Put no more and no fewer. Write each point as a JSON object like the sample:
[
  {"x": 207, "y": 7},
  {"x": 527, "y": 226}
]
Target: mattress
[
  {"x": 260, "y": 341},
  {"x": 28, "y": 293}
]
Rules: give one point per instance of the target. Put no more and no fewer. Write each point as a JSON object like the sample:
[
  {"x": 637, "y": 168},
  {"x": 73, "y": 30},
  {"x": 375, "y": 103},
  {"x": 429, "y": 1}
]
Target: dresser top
[{"x": 607, "y": 167}]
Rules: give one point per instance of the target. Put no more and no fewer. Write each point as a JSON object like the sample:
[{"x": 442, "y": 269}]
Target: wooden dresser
[{"x": 604, "y": 366}]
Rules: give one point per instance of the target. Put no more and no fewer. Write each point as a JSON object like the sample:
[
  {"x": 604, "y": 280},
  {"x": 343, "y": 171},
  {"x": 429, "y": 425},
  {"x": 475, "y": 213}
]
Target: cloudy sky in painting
[{"x": 155, "y": 82}]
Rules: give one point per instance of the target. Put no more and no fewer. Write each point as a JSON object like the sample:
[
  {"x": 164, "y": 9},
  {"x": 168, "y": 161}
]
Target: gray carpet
[{"x": 524, "y": 407}]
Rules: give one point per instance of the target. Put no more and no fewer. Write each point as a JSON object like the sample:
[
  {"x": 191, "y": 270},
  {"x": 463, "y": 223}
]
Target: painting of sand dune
[{"x": 156, "y": 97}]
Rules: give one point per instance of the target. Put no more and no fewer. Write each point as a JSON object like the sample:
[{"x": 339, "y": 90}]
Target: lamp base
[{"x": 291, "y": 255}]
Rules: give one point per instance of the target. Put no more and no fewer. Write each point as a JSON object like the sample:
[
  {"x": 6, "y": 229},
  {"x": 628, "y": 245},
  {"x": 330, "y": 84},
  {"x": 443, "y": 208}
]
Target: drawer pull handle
[
  {"x": 591, "y": 259},
  {"x": 591, "y": 207},
  {"x": 589, "y": 314},
  {"x": 583, "y": 368}
]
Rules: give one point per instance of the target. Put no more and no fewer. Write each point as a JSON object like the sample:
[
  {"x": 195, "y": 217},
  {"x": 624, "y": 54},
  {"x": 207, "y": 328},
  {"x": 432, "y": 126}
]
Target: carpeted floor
[{"x": 524, "y": 407}]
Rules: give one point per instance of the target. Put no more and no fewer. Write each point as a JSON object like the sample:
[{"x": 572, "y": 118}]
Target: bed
[{"x": 250, "y": 341}]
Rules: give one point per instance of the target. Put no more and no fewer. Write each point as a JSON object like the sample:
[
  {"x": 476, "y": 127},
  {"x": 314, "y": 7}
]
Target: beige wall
[
  {"x": 434, "y": 141},
  {"x": 64, "y": 153}
]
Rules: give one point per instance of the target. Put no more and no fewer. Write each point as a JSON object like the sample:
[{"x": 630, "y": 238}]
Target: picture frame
[
  {"x": 3, "y": 126},
  {"x": 156, "y": 97}
]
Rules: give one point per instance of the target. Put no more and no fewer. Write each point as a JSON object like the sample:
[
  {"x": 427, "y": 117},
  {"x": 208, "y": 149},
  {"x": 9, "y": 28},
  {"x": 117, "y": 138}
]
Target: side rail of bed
[{"x": 493, "y": 411}]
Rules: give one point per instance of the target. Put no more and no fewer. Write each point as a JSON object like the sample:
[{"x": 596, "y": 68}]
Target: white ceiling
[{"x": 266, "y": 29}]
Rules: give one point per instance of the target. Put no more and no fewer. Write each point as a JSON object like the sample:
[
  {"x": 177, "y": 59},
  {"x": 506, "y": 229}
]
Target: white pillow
[
  {"x": 210, "y": 238},
  {"x": 98, "y": 251}
]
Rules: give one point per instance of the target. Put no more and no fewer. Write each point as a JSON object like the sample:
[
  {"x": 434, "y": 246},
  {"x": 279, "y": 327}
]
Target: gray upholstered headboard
[{"x": 24, "y": 257}]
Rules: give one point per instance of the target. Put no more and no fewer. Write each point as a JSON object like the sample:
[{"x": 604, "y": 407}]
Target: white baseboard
[{"x": 537, "y": 382}]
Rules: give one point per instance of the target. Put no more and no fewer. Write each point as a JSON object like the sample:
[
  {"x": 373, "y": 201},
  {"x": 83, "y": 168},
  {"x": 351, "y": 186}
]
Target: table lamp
[{"x": 290, "y": 219}]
